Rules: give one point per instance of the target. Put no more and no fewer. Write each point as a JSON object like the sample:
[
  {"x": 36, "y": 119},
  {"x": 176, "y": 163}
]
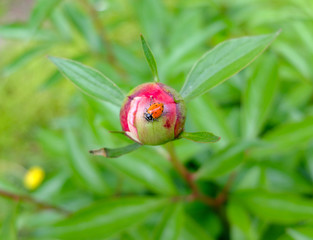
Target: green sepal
[{"x": 115, "y": 152}]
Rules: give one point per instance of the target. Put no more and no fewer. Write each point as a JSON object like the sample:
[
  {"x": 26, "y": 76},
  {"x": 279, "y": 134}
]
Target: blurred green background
[{"x": 264, "y": 115}]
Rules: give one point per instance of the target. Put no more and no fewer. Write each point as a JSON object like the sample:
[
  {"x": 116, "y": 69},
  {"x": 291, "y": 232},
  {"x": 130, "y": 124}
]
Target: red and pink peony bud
[{"x": 153, "y": 114}]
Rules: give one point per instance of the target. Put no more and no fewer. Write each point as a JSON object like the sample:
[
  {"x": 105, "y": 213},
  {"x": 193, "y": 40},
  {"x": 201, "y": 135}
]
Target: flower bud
[{"x": 153, "y": 114}]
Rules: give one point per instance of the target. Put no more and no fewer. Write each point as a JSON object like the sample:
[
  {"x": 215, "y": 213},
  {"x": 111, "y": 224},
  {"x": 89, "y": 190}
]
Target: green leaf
[
  {"x": 90, "y": 80},
  {"x": 283, "y": 178},
  {"x": 212, "y": 117},
  {"x": 144, "y": 171},
  {"x": 23, "y": 59},
  {"x": 203, "y": 137},
  {"x": 22, "y": 32},
  {"x": 222, "y": 62},
  {"x": 56, "y": 76},
  {"x": 286, "y": 137},
  {"x": 304, "y": 32},
  {"x": 139, "y": 233},
  {"x": 276, "y": 207},
  {"x": 105, "y": 218},
  {"x": 297, "y": 97},
  {"x": 193, "y": 231},
  {"x": 152, "y": 16},
  {"x": 62, "y": 24},
  {"x": 8, "y": 229},
  {"x": 301, "y": 233},
  {"x": 83, "y": 23},
  {"x": 252, "y": 178},
  {"x": 295, "y": 58},
  {"x": 115, "y": 152},
  {"x": 223, "y": 161},
  {"x": 239, "y": 217},
  {"x": 309, "y": 160},
  {"x": 259, "y": 95},
  {"x": 50, "y": 189},
  {"x": 5, "y": 185},
  {"x": 83, "y": 168},
  {"x": 150, "y": 59},
  {"x": 41, "y": 11},
  {"x": 289, "y": 134},
  {"x": 171, "y": 223},
  {"x": 186, "y": 46}
]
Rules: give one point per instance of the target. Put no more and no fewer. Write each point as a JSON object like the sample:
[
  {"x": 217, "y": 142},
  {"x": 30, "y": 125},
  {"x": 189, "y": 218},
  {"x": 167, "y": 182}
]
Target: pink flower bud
[{"x": 153, "y": 114}]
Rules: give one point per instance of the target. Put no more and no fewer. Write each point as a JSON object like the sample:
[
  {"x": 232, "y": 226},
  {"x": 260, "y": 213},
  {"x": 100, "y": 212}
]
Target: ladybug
[{"x": 154, "y": 111}]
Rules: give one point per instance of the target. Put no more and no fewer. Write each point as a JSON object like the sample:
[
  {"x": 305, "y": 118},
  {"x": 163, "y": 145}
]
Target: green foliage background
[{"x": 263, "y": 114}]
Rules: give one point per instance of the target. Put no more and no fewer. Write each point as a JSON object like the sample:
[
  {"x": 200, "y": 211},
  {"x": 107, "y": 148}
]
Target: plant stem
[
  {"x": 39, "y": 204},
  {"x": 188, "y": 177},
  {"x": 222, "y": 196},
  {"x": 216, "y": 203}
]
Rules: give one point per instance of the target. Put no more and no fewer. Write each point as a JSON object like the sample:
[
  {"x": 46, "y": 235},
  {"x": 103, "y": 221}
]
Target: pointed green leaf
[
  {"x": 105, "y": 218},
  {"x": 115, "y": 152},
  {"x": 222, "y": 62},
  {"x": 171, "y": 224},
  {"x": 150, "y": 59},
  {"x": 90, "y": 80},
  {"x": 260, "y": 92},
  {"x": 276, "y": 207},
  {"x": 203, "y": 137}
]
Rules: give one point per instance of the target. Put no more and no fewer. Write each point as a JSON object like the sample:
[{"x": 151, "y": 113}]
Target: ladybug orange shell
[{"x": 154, "y": 111}]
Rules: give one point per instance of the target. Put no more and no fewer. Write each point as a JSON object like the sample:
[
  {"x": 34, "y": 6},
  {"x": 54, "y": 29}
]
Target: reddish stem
[
  {"x": 188, "y": 177},
  {"x": 39, "y": 204},
  {"x": 222, "y": 196}
]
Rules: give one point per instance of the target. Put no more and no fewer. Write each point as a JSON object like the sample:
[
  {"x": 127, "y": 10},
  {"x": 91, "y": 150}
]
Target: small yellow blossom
[{"x": 34, "y": 177}]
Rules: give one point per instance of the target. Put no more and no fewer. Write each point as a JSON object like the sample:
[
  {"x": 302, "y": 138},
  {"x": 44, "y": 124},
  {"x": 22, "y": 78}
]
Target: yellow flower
[{"x": 34, "y": 177}]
